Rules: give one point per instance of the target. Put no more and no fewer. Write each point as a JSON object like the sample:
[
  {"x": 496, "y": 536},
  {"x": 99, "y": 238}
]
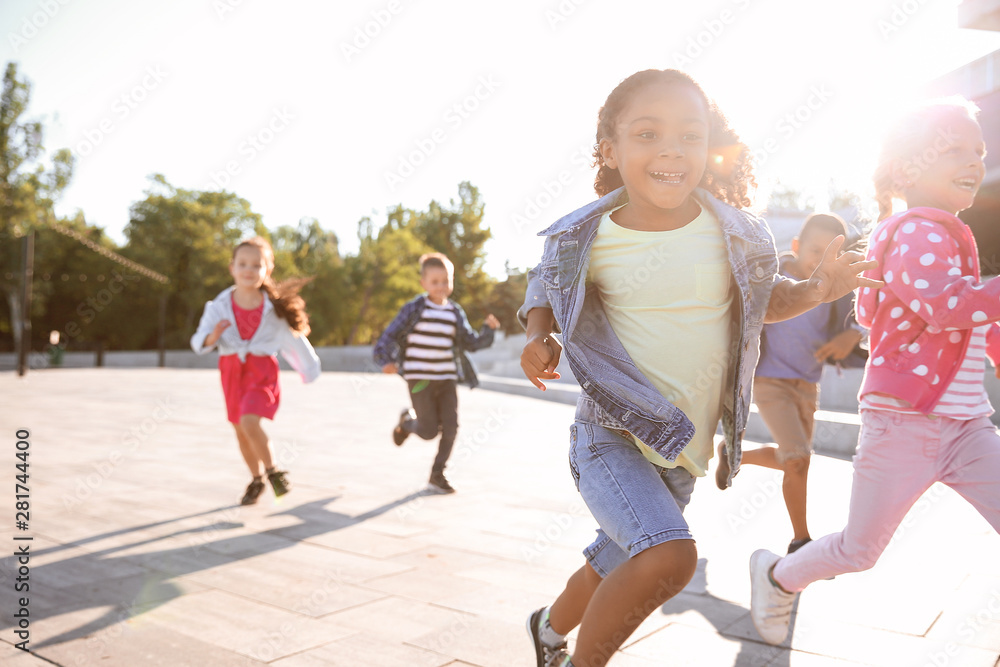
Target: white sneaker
[{"x": 770, "y": 607}]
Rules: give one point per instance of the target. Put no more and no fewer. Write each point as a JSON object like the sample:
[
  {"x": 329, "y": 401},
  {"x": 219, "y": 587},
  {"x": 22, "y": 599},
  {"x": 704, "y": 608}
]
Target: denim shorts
[{"x": 637, "y": 504}]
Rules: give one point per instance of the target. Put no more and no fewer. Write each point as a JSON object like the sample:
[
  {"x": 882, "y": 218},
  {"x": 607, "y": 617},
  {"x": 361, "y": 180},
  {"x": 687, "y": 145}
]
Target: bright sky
[{"x": 338, "y": 110}]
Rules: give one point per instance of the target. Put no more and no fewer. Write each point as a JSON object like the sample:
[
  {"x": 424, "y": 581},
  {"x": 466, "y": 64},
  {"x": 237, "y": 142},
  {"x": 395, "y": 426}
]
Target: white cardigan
[{"x": 272, "y": 336}]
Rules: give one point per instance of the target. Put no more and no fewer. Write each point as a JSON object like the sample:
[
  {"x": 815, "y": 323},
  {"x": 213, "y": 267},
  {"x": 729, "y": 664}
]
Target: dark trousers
[{"x": 435, "y": 403}]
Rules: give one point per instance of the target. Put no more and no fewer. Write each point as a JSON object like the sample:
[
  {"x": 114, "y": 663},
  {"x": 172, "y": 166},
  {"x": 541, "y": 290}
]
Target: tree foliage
[{"x": 96, "y": 293}]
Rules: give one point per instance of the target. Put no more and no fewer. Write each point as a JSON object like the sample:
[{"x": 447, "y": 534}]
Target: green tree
[
  {"x": 456, "y": 230},
  {"x": 27, "y": 187},
  {"x": 310, "y": 251},
  {"x": 507, "y": 296},
  {"x": 188, "y": 236},
  {"x": 381, "y": 277}
]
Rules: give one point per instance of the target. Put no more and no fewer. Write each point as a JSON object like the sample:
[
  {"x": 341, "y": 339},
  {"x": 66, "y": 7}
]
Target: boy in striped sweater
[{"x": 427, "y": 343}]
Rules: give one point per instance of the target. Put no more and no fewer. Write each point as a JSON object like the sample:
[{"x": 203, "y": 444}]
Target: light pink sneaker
[{"x": 770, "y": 607}]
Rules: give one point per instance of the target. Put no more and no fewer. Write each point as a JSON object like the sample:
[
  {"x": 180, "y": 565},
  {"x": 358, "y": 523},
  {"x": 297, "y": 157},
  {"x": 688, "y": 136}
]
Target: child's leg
[
  {"x": 970, "y": 464},
  {"x": 891, "y": 470},
  {"x": 628, "y": 595},
  {"x": 447, "y": 416},
  {"x": 247, "y": 450},
  {"x": 567, "y": 611},
  {"x": 424, "y": 400},
  {"x": 259, "y": 445},
  {"x": 639, "y": 508},
  {"x": 787, "y": 407},
  {"x": 794, "y": 482}
]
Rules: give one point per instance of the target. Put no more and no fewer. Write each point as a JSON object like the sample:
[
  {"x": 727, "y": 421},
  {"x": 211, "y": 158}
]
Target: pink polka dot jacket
[{"x": 922, "y": 320}]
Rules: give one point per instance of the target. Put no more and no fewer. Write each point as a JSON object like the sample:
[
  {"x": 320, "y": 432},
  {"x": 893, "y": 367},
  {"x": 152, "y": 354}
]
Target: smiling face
[
  {"x": 660, "y": 148},
  {"x": 438, "y": 284},
  {"x": 249, "y": 268},
  {"x": 948, "y": 173}
]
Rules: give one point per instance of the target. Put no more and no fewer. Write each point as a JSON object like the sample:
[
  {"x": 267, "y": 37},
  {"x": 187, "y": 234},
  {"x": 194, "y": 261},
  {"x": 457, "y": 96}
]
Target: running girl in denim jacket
[
  {"x": 660, "y": 290},
  {"x": 250, "y": 323},
  {"x": 924, "y": 412}
]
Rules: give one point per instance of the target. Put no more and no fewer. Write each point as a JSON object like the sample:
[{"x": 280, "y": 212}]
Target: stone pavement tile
[
  {"x": 521, "y": 576},
  {"x": 146, "y": 644},
  {"x": 364, "y": 649},
  {"x": 364, "y": 542},
  {"x": 15, "y": 657},
  {"x": 398, "y": 618},
  {"x": 426, "y": 586},
  {"x": 267, "y": 581},
  {"x": 237, "y": 624},
  {"x": 442, "y": 559},
  {"x": 971, "y": 614},
  {"x": 846, "y": 641},
  {"x": 500, "y": 603},
  {"x": 482, "y": 642},
  {"x": 679, "y": 645},
  {"x": 134, "y": 591},
  {"x": 696, "y": 610},
  {"x": 788, "y": 658}
]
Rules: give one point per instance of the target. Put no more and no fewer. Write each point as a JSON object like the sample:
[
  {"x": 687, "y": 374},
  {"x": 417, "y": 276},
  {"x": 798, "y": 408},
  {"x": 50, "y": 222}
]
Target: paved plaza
[{"x": 140, "y": 555}]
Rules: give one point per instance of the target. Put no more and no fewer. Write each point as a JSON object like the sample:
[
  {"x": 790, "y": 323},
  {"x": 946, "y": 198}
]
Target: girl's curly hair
[
  {"x": 288, "y": 304},
  {"x": 729, "y": 175}
]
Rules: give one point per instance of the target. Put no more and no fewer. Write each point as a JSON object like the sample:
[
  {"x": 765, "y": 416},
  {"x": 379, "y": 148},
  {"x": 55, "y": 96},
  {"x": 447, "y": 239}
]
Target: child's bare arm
[
  {"x": 541, "y": 353},
  {"x": 833, "y": 278},
  {"x": 213, "y": 337},
  {"x": 839, "y": 346}
]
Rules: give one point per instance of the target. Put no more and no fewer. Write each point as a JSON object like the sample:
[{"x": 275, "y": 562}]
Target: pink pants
[{"x": 899, "y": 457}]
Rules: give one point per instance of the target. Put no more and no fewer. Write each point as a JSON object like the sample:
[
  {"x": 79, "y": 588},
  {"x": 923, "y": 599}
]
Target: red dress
[{"x": 251, "y": 387}]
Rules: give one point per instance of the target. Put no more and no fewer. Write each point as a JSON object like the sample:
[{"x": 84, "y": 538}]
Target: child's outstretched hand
[
  {"x": 491, "y": 321},
  {"x": 540, "y": 358},
  {"x": 839, "y": 346},
  {"x": 220, "y": 326},
  {"x": 840, "y": 274}
]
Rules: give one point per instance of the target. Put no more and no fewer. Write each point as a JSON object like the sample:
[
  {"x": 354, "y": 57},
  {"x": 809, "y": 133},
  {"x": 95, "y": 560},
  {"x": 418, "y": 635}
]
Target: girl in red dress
[{"x": 268, "y": 319}]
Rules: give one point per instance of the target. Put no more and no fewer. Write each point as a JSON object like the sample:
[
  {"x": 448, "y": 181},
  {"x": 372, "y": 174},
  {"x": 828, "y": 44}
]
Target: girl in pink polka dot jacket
[{"x": 924, "y": 412}]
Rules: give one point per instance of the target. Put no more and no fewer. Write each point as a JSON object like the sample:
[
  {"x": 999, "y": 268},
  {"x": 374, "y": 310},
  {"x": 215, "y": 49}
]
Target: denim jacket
[
  {"x": 615, "y": 393},
  {"x": 391, "y": 345}
]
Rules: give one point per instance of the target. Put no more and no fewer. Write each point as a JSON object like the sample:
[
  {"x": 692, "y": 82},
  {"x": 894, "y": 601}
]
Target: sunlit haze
[{"x": 341, "y": 110}]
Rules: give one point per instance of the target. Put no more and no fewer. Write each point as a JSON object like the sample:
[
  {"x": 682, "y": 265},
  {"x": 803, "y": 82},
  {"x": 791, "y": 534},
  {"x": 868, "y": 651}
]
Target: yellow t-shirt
[{"x": 667, "y": 295}]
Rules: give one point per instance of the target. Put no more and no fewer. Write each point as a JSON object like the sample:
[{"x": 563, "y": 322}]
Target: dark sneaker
[
  {"x": 795, "y": 545},
  {"x": 545, "y": 655},
  {"x": 400, "y": 434},
  {"x": 439, "y": 484},
  {"x": 722, "y": 471},
  {"x": 279, "y": 482},
  {"x": 253, "y": 492}
]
